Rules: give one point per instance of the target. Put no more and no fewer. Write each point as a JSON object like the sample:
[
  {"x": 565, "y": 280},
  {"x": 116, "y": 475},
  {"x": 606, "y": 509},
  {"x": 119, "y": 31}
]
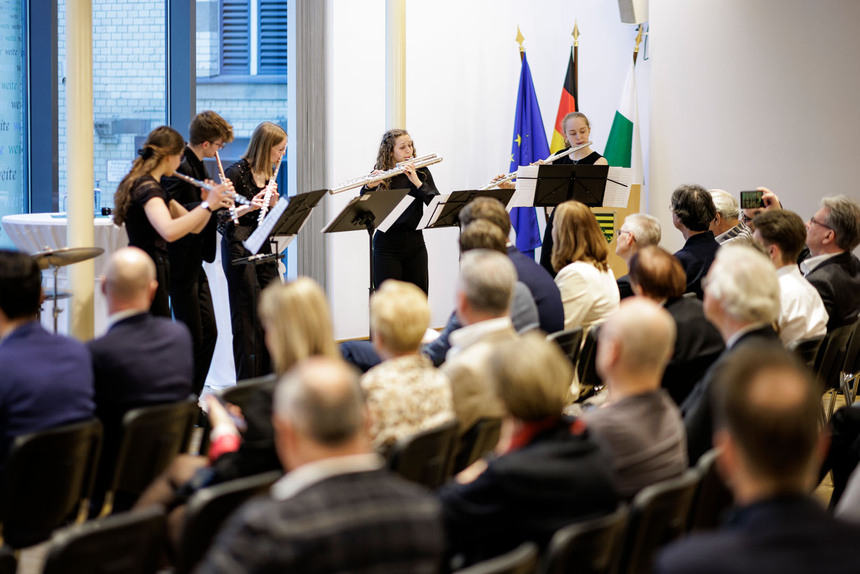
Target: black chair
[
  {"x": 521, "y": 560},
  {"x": 830, "y": 361},
  {"x": 570, "y": 343},
  {"x": 151, "y": 438},
  {"x": 586, "y": 547},
  {"x": 48, "y": 477},
  {"x": 807, "y": 349},
  {"x": 207, "y": 510},
  {"x": 127, "y": 543},
  {"x": 713, "y": 498},
  {"x": 477, "y": 441},
  {"x": 850, "y": 373},
  {"x": 586, "y": 369},
  {"x": 426, "y": 457},
  {"x": 658, "y": 515},
  {"x": 243, "y": 390}
]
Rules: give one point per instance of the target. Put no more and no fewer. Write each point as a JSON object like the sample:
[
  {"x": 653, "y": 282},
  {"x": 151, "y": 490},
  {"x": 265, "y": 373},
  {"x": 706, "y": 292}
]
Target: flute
[
  {"x": 556, "y": 156},
  {"x": 267, "y": 197},
  {"x": 417, "y": 162},
  {"x": 233, "y": 215},
  {"x": 203, "y": 185}
]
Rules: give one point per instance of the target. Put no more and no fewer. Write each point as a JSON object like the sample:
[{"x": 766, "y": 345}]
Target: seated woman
[
  {"x": 405, "y": 393},
  {"x": 580, "y": 256}
]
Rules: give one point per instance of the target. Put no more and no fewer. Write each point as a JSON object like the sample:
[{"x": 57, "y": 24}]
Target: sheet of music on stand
[
  {"x": 396, "y": 213},
  {"x": 617, "y": 191},
  {"x": 261, "y": 234},
  {"x": 433, "y": 210}
]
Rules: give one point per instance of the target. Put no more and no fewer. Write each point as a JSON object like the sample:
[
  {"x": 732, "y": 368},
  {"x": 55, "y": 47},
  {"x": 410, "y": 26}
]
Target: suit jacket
[
  {"x": 543, "y": 289},
  {"x": 697, "y": 346},
  {"x": 789, "y": 534},
  {"x": 46, "y": 381},
  {"x": 696, "y": 257},
  {"x": 698, "y": 407},
  {"x": 625, "y": 289},
  {"x": 838, "y": 282}
]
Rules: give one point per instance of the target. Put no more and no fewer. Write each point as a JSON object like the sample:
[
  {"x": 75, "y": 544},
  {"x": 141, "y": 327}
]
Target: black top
[
  {"x": 193, "y": 248},
  {"x": 410, "y": 218},
  {"x": 590, "y": 159},
  {"x": 140, "y": 231},
  {"x": 243, "y": 182}
]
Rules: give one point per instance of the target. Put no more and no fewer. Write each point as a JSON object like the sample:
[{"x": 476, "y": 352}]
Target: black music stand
[
  {"x": 559, "y": 183},
  {"x": 367, "y": 211},
  {"x": 457, "y": 200}
]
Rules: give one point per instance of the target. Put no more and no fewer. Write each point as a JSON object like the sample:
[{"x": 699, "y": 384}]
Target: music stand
[
  {"x": 559, "y": 183},
  {"x": 454, "y": 202},
  {"x": 368, "y": 212}
]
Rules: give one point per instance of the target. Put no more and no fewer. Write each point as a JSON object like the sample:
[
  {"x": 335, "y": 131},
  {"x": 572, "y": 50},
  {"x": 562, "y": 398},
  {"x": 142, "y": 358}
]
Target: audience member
[
  {"x": 742, "y": 301},
  {"x": 638, "y": 230},
  {"x": 484, "y": 292},
  {"x": 405, "y": 394},
  {"x": 549, "y": 473},
  {"x": 47, "y": 379},
  {"x": 337, "y": 509},
  {"x": 726, "y": 227},
  {"x": 640, "y": 426},
  {"x": 693, "y": 212},
  {"x": 802, "y": 314},
  {"x": 831, "y": 235},
  {"x": 770, "y": 446},
  {"x": 580, "y": 255},
  {"x": 657, "y": 274}
]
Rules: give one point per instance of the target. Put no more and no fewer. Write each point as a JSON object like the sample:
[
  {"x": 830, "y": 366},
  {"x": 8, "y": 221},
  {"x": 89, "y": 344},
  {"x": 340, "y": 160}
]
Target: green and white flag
[{"x": 624, "y": 146}]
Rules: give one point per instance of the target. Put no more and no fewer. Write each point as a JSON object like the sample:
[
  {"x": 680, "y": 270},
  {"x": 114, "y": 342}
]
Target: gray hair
[
  {"x": 844, "y": 220},
  {"x": 487, "y": 280},
  {"x": 726, "y": 204},
  {"x": 745, "y": 282},
  {"x": 645, "y": 229},
  {"x": 322, "y": 397}
]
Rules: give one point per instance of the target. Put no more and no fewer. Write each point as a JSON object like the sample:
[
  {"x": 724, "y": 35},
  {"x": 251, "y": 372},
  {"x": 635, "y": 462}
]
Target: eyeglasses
[
  {"x": 218, "y": 146},
  {"x": 813, "y": 220}
]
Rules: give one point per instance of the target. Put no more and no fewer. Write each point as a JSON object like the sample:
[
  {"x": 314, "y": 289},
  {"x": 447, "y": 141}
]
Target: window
[
  {"x": 252, "y": 38},
  {"x": 13, "y": 112}
]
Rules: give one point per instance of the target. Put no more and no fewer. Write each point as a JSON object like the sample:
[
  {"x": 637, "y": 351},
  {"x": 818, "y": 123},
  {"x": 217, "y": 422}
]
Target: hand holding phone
[{"x": 751, "y": 199}]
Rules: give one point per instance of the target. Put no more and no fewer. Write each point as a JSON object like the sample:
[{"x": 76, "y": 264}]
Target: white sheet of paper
[
  {"x": 395, "y": 213},
  {"x": 433, "y": 211},
  {"x": 618, "y": 187},
  {"x": 524, "y": 195},
  {"x": 256, "y": 240}
]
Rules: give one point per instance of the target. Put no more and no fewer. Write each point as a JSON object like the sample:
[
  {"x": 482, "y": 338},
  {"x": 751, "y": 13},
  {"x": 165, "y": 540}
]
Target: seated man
[
  {"x": 770, "y": 446},
  {"x": 726, "y": 226},
  {"x": 638, "y": 231},
  {"x": 337, "y": 509},
  {"x": 549, "y": 472},
  {"x": 640, "y": 427},
  {"x": 405, "y": 393},
  {"x": 47, "y": 380},
  {"x": 692, "y": 213}
]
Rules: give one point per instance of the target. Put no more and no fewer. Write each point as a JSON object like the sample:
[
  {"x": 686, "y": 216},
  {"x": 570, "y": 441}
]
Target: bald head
[
  {"x": 129, "y": 280},
  {"x": 635, "y": 343}
]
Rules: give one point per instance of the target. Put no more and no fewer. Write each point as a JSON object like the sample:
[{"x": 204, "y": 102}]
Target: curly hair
[{"x": 385, "y": 155}]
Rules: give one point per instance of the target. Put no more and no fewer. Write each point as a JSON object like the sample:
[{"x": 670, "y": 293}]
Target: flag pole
[
  {"x": 520, "y": 39},
  {"x": 575, "y": 35},
  {"x": 638, "y": 40}
]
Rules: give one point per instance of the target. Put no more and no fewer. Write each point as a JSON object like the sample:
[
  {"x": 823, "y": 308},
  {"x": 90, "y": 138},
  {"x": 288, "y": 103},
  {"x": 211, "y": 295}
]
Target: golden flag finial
[
  {"x": 520, "y": 39},
  {"x": 638, "y": 38},
  {"x": 575, "y": 33}
]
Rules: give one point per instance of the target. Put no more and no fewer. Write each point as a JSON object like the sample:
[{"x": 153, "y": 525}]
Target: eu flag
[{"x": 529, "y": 145}]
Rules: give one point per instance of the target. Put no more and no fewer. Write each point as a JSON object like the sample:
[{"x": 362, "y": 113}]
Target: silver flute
[
  {"x": 223, "y": 177},
  {"x": 270, "y": 188},
  {"x": 556, "y": 156},
  {"x": 242, "y": 200},
  {"x": 417, "y": 162}
]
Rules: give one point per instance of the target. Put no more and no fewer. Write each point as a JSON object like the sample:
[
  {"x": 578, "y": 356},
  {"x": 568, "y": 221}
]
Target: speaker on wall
[{"x": 633, "y": 11}]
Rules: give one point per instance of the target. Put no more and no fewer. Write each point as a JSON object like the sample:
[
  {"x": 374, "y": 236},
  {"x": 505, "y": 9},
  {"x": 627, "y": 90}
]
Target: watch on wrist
[{"x": 205, "y": 205}]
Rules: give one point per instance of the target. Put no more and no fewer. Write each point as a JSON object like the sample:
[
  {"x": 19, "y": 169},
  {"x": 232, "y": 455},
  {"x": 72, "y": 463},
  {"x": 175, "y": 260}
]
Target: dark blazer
[
  {"x": 625, "y": 289},
  {"x": 696, "y": 257},
  {"x": 790, "y": 534},
  {"x": 838, "y": 282},
  {"x": 698, "y": 406},
  {"x": 697, "y": 346},
  {"x": 191, "y": 250},
  {"x": 543, "y": 288}
]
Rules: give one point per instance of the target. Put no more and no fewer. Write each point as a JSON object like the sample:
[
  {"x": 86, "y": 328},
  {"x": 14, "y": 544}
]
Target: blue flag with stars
[{"x": 529, "y": 145}]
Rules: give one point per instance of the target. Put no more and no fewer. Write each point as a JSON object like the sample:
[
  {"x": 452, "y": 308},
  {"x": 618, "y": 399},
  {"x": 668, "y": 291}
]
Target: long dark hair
[
  {"x": 385, "y": 155},
  {"x": 160, "y": 143}
]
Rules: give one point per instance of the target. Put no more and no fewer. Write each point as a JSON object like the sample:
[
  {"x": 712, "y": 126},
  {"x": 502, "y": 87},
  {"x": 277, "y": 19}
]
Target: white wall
[
  {"x": 463, "y": 69},
  {"x": 747, "y": 93}
]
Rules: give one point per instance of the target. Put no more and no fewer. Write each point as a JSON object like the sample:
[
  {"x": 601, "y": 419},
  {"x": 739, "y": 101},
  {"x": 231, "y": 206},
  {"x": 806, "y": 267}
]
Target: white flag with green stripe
[{"x": 624, "y": 146}]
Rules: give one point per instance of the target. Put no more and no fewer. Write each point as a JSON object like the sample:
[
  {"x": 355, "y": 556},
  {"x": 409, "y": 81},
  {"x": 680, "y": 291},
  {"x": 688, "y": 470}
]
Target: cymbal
[{"x": 65, "y": 256}]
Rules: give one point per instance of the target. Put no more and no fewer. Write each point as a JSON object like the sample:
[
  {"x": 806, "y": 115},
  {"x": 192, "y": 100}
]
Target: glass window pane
[{"x": 13, "y": 98}]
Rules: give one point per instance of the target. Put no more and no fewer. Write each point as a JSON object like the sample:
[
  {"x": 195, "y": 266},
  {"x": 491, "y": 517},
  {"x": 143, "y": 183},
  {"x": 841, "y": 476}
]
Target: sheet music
[
  {"x": 255, "y": 242},
  {"x": 395, "y": 213},
  {"x": 617, "y": 187},
  {"x": 433, "y": 211},
  {"x": 524, "y": 196}
]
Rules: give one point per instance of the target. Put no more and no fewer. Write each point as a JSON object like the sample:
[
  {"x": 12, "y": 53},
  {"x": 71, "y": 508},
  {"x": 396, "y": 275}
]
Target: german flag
[{"x": 566, "y": 104}]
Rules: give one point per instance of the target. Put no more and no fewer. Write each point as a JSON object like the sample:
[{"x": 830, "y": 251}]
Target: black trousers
[
  {"x": 400, "y": 255},
  {"x": 191, "y": 302},
  {"x": 161, "y": 303}
]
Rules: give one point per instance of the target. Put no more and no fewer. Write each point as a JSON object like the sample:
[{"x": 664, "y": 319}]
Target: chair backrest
[
  {"x": 658, "y": 515},
  {"x": 477, "y": 441},
  {"x": 243, "y": 390},
  {"x": 586, "y": 547},
  {"x": 712, "y": 499},
  {"x": 207, "y": 510},
  {"x": 520, "y": 560},
  {"x": 831, "y": 356},
  {"x": 586, "y": 355},
  {"x": 426, "y": 457},
  {"x": 127, "y": 543},
  {"x": 48, "y": 475},
  {"x": 807, "y": 349},
  {"x": 151, "y": 438},
  {"x": 852, "y": 352},
  {"x": 570, "y": 343}
]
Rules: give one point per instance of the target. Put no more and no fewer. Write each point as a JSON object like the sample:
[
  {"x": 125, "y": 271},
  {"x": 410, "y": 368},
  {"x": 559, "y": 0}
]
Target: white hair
[
  {"x": 726, "y": 204},
  {"x": 645, "y": 229},
  {"x": 745, "y": 283}
]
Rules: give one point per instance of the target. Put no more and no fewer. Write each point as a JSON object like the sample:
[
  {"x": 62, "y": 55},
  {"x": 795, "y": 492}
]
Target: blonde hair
[
  {"x": 578, "y": 237},
  {"x": 266, "y": 136},
  {"x": 400, "y": 314},
  {"x": 297, "y": 322}
]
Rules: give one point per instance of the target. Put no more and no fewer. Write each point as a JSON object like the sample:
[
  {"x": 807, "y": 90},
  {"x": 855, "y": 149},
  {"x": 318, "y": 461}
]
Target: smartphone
[{"x": 751, "y": 199}]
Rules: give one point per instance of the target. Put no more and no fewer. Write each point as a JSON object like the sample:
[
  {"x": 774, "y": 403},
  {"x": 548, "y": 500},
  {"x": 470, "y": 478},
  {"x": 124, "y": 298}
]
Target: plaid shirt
[{"x": 739, "y": 231}]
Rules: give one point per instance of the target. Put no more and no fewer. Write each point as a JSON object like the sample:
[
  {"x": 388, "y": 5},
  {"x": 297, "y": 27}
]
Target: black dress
[
  {"x": 400, "y": 252},
  {"x": 142, "y": 234},
  {"x": 245, "y": 282},
  {"x": 546, "y": 249}
]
